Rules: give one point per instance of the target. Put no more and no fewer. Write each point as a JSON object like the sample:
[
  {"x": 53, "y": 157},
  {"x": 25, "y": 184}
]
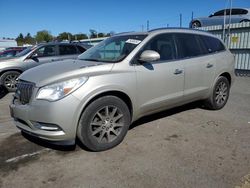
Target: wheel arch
[
  {"x": 195, "y": 20},
  {"x": 245, "y": 20},
  {"x": 120, "y": 94},
  {"x": 227, "y": 76},
  {"x": 8, "y": 70}
]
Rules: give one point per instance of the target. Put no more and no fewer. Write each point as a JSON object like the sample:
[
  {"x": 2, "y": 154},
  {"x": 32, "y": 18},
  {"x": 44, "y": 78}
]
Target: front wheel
[
  {"x": 9, "y": 80},
  {"x": 104, "y": 123},
  {"x": 219, "y": 97},
  {"x": 195, "y": 24}
]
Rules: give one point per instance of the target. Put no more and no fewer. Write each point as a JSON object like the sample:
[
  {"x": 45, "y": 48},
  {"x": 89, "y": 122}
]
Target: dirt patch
[
  {"x": 245, "y": 182},
  {"x": 14, "y": 146}
]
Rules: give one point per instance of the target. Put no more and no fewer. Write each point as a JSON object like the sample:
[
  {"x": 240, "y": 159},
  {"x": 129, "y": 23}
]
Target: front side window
[
  {"x": 188, "y": 45},
  {"x": 46, "y": 51},
  {"x": 67, "y": 50},
  {"x": 219, "y": 13},
  {"x": 113, "y": 49},
  {"x": 163, "y": 44}
]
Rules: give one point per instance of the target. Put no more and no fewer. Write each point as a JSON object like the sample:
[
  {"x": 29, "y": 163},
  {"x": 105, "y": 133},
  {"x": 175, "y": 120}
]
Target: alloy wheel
[
  {"x": 221, "y": 93},
  {"x": 107, "y": 124}
]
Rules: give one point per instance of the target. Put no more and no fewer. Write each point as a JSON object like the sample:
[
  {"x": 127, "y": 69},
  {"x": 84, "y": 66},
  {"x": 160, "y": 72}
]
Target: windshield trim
[{"x": 118, "y": 60}]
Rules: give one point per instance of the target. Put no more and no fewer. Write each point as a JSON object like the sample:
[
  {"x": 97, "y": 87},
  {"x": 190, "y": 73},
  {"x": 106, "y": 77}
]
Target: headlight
[{"x": 59, "y": 90}]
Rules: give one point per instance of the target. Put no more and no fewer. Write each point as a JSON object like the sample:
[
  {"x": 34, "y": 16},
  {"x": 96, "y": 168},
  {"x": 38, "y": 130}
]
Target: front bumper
[{"x": 63, "y": 113}]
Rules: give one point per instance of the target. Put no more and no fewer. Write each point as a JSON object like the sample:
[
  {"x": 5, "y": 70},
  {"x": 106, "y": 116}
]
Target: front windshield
[
  {"x": 24, "y": 52},
  {"x": 113, "y": 49}
]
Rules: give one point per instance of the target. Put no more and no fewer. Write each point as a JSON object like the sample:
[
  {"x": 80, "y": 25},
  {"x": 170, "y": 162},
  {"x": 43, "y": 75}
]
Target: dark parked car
[
  {"x": 237, "y": 15},
  {"x": 11, "y": 52},
  {"x": 11, "y": 68}
]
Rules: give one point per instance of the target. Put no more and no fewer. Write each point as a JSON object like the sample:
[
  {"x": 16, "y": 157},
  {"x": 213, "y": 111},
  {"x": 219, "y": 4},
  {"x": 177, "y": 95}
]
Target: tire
[
  {"x": 195, "y": 24},
  {"x": 219, "y": 97},
  {"x": 9, "y": 80},
  {"x": 104, "y": 123}
]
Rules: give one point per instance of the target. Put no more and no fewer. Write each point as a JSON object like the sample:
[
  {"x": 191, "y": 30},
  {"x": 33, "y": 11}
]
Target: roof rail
[{"x": 181, "y": 28}]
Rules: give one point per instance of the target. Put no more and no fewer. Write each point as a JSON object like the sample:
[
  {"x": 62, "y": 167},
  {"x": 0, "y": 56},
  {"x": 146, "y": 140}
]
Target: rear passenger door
[
  {"x": 199, "y": 69},
  {"x": 159, "y": 83}
]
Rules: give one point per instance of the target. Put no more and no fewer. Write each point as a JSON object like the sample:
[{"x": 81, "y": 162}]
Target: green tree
[
  {"x": 101, "y": 35},
  {"x": 20, "y": 40},
  {"x": 29, "y": 39},
  {"x": 80, "y": 36},
  {"x": 65, "y": 36},
  {"x": 43, "y": 36}
]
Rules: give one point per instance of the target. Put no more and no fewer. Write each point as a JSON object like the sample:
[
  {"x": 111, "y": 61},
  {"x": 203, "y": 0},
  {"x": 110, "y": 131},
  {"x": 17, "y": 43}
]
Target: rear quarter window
[{"x": 212, "y": 44}]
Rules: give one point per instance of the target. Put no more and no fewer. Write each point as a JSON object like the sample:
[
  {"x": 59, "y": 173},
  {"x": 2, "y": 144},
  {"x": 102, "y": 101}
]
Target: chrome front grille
[{"x": 24, "y": 91}]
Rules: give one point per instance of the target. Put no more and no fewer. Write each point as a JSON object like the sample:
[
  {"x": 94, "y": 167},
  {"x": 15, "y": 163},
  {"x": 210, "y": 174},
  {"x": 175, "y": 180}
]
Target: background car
[
  {"x": 11, "y": 68},
  {"x": 11, "y": 52},
  {"x": 238, "y": 15}
]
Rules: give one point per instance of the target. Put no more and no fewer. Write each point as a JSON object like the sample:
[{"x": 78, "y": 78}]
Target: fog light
[{"x": 46, "y": 126}]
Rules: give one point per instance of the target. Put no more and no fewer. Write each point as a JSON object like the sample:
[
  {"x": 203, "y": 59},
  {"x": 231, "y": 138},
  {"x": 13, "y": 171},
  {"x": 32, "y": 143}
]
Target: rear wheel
[
  {"x": 9, "y": 80},
  {"x": 220, "y": 94},
  {"x": 104, "y": 123}
]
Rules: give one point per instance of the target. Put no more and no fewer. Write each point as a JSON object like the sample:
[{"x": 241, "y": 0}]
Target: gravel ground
[{"x": 183, "y": 147}]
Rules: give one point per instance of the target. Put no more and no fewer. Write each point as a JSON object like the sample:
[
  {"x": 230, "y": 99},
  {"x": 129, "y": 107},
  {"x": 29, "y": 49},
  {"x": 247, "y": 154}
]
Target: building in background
[{"x": 5, "y": 43}]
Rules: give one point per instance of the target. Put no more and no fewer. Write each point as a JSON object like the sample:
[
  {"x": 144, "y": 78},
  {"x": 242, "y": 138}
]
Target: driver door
[{"x": 160, "y": 84}]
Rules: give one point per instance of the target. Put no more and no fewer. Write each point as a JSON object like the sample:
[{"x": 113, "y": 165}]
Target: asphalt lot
[{"x": 184, "y": 147}]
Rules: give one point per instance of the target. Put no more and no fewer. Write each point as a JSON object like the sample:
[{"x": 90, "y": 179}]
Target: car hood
[
  {"x": 50, "y": 73},
  {"x": 10, "y": 59}
]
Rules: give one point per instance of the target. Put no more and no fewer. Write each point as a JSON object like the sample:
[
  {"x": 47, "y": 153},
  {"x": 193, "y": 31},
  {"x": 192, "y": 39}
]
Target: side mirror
[
  {"x": 211, "y": 15},
  {"x": 149, "y": 56},
  {"x": 34, "y": 56}
]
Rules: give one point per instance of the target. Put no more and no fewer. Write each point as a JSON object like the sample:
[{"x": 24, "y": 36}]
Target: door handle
[
  {"x": 209, "y": 65},
  {"x": 178, "y": 71}
]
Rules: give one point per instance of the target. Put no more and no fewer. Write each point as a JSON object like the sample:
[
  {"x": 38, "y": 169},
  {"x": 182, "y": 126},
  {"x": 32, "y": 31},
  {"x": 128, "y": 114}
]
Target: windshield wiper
[{"x": 96, "y": 60}]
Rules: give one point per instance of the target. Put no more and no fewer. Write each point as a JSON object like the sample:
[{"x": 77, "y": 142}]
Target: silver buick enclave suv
[{"x": 123, "y": 78}]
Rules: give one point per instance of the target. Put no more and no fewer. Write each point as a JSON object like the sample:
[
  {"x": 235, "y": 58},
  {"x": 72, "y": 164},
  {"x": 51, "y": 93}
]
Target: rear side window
[
  {"x": 188, "y": 45},
  {"x": 219, "y": 13},
  {"x": 81, "y": 49},
  {"x": 212, "y": 44},
  {"x": 67, "y": 49}
]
